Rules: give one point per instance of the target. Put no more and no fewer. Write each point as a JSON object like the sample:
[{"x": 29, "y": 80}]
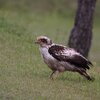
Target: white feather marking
[
  {"x": 45, "y": 54},
  {"x": 68, "y": 52}
]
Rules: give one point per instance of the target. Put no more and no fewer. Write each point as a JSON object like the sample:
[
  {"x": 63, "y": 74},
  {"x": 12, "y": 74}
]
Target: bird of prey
[{"x": 60, "y": 58}]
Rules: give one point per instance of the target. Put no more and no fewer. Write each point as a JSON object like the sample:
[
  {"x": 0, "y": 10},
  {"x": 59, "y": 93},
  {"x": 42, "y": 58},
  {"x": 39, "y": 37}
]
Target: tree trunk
[{"x": 81, "y": 35}]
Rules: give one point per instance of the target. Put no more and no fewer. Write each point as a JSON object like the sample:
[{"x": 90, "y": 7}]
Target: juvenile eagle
[{"x": 60, "y": 58}]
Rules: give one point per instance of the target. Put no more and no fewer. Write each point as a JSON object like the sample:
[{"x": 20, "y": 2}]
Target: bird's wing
[{"x": 62, "y": 53}]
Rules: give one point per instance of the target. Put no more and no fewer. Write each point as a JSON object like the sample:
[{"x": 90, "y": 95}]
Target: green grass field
[{"x": 23, "y": 74}]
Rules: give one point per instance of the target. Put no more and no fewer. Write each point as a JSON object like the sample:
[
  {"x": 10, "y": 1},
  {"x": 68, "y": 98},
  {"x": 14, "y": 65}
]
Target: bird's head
[{"x": 43, "y": 41}]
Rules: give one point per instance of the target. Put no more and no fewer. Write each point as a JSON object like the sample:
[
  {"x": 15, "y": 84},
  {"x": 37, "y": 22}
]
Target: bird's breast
[
  {"x": 45, "y": 54},
  {"x": 48, "y": 59}
]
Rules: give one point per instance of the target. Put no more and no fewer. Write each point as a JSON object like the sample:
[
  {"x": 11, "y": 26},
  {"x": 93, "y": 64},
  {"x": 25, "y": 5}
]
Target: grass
[{"x": 24, "y": 76}]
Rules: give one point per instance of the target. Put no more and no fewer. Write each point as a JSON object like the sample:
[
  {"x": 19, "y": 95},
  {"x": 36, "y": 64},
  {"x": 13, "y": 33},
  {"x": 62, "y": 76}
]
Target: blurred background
[
  {"x": 23, "y": 75},
  {"x": 54, "y": 18},
  {"x": 44, "y": 6}
]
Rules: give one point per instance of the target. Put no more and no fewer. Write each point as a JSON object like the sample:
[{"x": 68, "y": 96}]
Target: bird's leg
[
  {"x": 51, "y": 75},
  {"x": 86, "y": 75},
  {"x": 54, "y": 74}
]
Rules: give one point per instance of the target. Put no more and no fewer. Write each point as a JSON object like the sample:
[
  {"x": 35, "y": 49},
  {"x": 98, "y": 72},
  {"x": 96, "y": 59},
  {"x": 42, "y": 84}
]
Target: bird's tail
[{"x": 90, "y": 63}]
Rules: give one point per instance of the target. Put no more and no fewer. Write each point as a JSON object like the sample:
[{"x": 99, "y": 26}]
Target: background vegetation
[{"x": 23, "y": 74}]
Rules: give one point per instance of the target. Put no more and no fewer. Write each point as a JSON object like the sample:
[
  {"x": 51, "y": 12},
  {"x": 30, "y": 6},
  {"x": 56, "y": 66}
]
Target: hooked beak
[{"x": 36, "y": 42}]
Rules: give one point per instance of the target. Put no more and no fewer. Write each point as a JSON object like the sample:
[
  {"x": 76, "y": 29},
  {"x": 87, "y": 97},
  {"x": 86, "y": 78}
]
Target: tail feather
[{"x": 90, "y": 63}]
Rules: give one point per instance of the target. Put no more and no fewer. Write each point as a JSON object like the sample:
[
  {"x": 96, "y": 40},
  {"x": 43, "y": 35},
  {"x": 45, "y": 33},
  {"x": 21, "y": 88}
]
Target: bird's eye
[{"x": 44, "y": 40}]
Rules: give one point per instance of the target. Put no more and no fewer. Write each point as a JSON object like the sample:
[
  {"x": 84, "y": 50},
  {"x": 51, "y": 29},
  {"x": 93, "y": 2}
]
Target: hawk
[{"x": 60, "y": 58}]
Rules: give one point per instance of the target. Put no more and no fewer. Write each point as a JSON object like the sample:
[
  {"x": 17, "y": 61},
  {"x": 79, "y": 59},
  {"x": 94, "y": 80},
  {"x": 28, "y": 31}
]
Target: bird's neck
[
  {"x": 46, "y": 46},
  {"x": 44, "y": 51}
]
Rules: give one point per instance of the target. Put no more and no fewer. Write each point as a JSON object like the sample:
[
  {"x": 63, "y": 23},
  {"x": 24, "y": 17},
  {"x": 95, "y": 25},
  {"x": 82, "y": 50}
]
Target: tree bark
[{"x": 81, "y": 34}]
